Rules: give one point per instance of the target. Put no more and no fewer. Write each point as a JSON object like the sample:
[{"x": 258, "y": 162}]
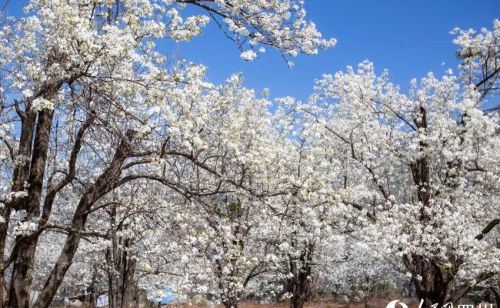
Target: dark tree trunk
[
  {"x": 231, "y": 303},
  {"x": 301, "y": 292},
  {"x": 300, "y": 286},
  {"x": 128, "y": 273},
  {"x": 104, "y": 183},
  {"x": 19, "y": 294},
  {"x": 496, "y": 294},
  {"x": 93, "y": 293},
  {"x": 111, "y": 264},
  {"x": 20, "y": 177},
  {"x": 3, "y": 237},
  {"x": 432, "y": 284},
  {"x": 121, "y": 269}
]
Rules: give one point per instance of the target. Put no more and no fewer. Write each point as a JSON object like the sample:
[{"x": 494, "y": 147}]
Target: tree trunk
[
  {"x": 121, "y": 269},
  {"x": 231, "y": 303},
  {"x": 301, "y": 290},
  {"x": 111, "y": 281},
  {"x": 92, "y": 294},
  {"x": 301, "y": 283},
  {"x": 3, "y": 237},
  {"x": 20, "y": 177},
  {"x": 104, "y": 183},
  {"x": 19, "y": 294},
  {"x": 432, "y": 284},
  {"x": 128, "y": 273},
  {"x": 496, "y": 293},
  {"x": 111, "y": 254}
]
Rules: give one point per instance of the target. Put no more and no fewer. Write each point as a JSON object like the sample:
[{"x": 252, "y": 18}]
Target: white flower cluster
[{"x": 41, "y": 103}]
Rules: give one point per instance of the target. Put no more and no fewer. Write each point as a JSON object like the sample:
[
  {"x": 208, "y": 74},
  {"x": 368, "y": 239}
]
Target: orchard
[{"x": 125, "y": 170}]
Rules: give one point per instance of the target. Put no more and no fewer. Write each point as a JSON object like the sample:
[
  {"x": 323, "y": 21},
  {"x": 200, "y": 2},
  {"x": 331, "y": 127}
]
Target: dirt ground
[{"x": 372, "y": 303}]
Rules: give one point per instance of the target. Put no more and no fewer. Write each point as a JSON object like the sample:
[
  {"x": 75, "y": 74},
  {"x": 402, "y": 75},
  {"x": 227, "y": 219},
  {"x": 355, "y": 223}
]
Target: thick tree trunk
[
  {"x": 3, "y": 238},
  {"x": 19, "y": 294},
  {"x": 21, "y": 171},
  {"x": 496, "y": 293},
  {"x": 231, "y": 303},
  {"x": 111, "y": 291},
  {"x": 301, "y": 289},
  {"x": 301, "y": 283},
  {"x": 432, "y": 284},
  {"x": 20, "y": 177},
  {"x": 128, "y": 273},
  {"x": 111, "y": 281}
]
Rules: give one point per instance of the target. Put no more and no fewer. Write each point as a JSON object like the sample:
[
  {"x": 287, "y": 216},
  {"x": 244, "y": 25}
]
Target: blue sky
[{"x": 408, "y": 37}]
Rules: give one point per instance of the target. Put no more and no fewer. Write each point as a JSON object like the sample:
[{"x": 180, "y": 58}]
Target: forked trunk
[
  {"x": 432, "y": 284},
  {"x": 104, "y": 183}
]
